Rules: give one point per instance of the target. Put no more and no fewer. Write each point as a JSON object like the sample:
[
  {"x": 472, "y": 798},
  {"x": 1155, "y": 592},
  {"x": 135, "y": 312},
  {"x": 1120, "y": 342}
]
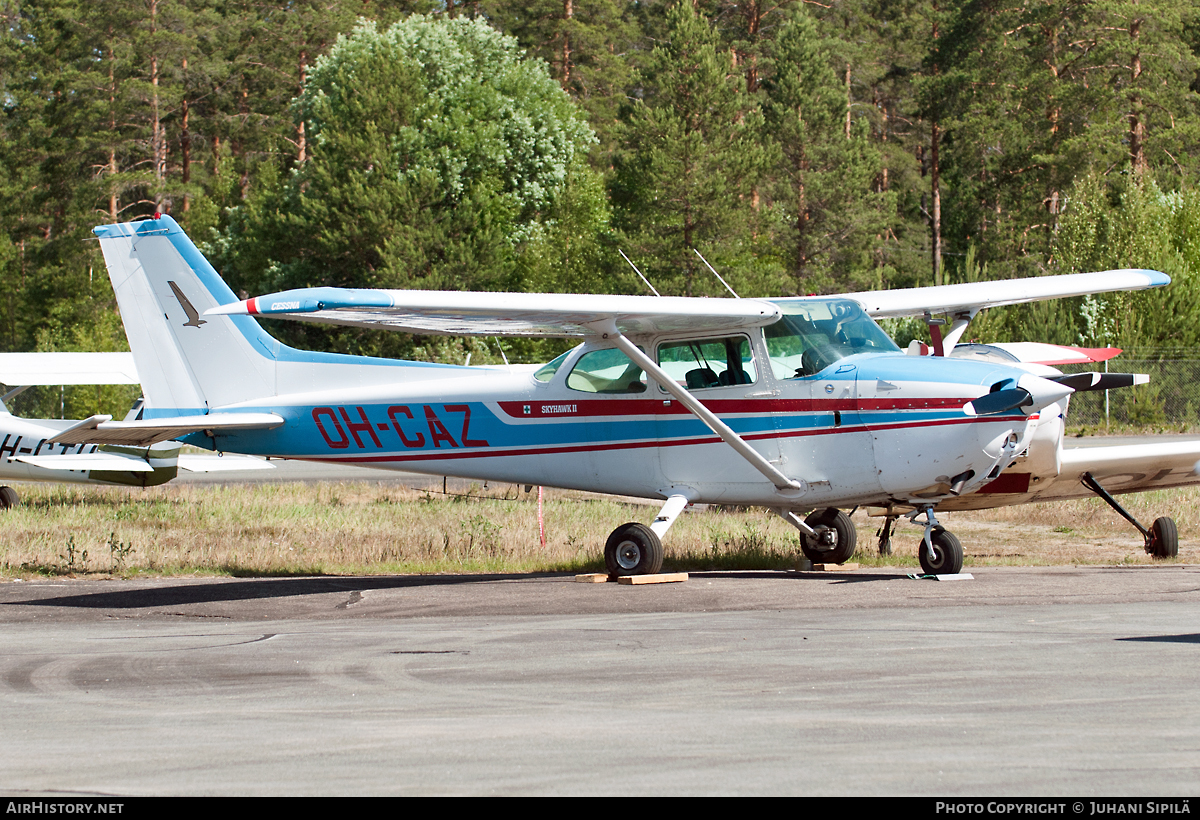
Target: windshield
[
  {"x": 815, "y": 333},
  {"x": 546, "y": 372}
]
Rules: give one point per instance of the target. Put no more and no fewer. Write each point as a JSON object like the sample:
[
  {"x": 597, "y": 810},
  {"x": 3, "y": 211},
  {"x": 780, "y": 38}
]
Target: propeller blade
[
  {"x": 1077, "y": 381},
  {"x": 1000, "y": 401},
  {"x": 1099, "y": 381}
]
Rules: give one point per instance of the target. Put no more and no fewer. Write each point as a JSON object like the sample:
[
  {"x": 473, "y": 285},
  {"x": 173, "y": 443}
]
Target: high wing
[
  {"x": 31, "y": 369},
  {"x": 103, "y": 430},
  {"x": 505, "y": 314},
  {"x": 569, "y": 315},
  {"x": 970, "y": 297}
]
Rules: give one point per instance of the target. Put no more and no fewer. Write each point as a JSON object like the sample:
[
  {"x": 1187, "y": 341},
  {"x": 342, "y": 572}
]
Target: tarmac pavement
[{"x": 1068, "y": 682}]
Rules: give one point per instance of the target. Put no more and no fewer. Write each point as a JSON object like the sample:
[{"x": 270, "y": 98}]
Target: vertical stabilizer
[{"x": 188, "y": 363}]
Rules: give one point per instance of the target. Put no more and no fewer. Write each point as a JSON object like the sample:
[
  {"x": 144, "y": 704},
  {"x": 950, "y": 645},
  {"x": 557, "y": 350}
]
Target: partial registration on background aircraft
[{"x": 27, "y": 452}]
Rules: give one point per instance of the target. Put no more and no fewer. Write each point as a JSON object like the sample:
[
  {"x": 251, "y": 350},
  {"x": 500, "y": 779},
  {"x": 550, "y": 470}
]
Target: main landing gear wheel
[
  {"x": 1163, "y": 541},
  {"x": 9, "y": 498},
  {"x": 633, "y": 549},
  {"x": 947, "y": 554},
  {"x": 835, "y": 539}
]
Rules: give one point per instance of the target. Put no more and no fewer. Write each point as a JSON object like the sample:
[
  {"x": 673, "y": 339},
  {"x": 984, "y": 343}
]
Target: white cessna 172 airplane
[
  {"x": 795, "y": 405},
  {"x": 28, "y": 454}
]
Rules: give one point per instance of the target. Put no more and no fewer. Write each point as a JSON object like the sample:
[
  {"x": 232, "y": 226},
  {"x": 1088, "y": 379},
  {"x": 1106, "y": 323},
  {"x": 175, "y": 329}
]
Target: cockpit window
[
  {"x": 815, "y": 333},
  {"x": 606, "y": 371},
  {"x": 701, "y": 363}
]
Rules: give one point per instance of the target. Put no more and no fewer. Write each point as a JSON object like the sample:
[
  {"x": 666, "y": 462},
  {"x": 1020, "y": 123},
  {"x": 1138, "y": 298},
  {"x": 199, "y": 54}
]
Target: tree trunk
[{"x": 1137, "y": 123}]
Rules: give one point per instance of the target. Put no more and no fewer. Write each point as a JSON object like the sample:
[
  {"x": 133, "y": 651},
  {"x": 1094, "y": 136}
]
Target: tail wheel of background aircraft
[
  {"x": 947, "y": 554},
  {"x": 633, "y": 549},
  {"x": 835, "y": 539},
  {"x": 1164, "y": 539},
  {"x": 9, "y": 498}
]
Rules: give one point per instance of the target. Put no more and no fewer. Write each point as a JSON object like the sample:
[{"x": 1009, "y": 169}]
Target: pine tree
[
  {"x": 832, "y": 214},
  {"x": 693, "y": 158}
]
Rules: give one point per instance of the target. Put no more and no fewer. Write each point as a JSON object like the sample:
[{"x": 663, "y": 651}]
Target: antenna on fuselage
[
  {"x": 638, "y": 272},
  {"x": 500, "y": 347},
  {"x": 714, "y": 273}
]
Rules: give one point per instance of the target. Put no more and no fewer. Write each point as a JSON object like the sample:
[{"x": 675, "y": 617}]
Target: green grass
[{"x": 357, "y": 528}]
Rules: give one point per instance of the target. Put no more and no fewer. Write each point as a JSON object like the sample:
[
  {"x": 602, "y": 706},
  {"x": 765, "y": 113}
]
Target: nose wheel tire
[
  {"x": 835, "y": 539},
  {"x": 633, "y": 549},
  {"x": 947, "y": 554}
]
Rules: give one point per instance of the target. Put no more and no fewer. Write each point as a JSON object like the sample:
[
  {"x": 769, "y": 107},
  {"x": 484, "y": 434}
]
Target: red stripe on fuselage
[{"x": 588, "y": 408}]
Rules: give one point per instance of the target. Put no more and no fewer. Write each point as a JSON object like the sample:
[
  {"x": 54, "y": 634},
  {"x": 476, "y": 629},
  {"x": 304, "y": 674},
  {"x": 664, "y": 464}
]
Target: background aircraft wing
[
  {"x": 29, "y": 369},
  {"x": 1137, "y": 464},
  {"x": 1048, "y": 354},
  {"x": 506, "y": 314},
  {"x": 970, "y": 297}
]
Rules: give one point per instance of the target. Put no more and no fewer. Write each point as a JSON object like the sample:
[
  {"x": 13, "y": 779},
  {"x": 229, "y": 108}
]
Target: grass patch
[{"x": 362, "y": 528}]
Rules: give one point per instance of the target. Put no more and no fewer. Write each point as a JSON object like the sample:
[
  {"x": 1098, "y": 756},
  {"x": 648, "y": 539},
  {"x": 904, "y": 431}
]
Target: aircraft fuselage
[{"x": 869, "y": 428}]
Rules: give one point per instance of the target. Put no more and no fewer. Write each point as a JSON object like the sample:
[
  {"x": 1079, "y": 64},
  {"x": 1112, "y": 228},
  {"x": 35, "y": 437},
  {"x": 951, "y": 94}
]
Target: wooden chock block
[{"x": 660, "y": 578}]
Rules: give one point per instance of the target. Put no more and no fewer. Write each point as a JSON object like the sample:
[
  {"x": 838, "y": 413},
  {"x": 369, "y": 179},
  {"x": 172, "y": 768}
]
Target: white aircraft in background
[
  {"x": 28, "y": 454},
  {"x": 794, "y": 405}
]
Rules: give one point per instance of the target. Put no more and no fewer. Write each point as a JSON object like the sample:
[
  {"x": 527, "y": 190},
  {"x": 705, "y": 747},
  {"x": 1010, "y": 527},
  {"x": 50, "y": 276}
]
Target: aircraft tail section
[
  {"x": 187, "y": 362},
  {"x": 190, "y": 361}
]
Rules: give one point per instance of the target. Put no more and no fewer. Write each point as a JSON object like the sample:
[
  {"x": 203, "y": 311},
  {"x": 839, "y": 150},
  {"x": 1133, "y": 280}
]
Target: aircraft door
[
  {"x": 723, "y": 373},
  {"x": 606, "y": 398},
  {"x": 822, "y": 439}
]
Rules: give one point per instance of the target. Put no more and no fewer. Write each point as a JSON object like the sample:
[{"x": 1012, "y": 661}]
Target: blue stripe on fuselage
[{"x": 437, "y": 429}]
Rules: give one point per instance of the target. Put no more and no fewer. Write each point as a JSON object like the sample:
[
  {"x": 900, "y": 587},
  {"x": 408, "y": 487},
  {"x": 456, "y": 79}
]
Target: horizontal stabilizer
[
  {"x": 222, "y": 464},
  {"x": 103, "y": 430},
  {"x": 88, "y": 461},
  {"x": 29, "y": 369}
]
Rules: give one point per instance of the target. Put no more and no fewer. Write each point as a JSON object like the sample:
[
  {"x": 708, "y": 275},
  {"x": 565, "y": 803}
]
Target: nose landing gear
[{"x": 941, "y": 552}]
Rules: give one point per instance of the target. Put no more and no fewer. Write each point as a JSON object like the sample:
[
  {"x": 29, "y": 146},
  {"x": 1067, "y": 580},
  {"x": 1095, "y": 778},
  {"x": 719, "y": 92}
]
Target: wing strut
[{"x": 788, "y": 487}]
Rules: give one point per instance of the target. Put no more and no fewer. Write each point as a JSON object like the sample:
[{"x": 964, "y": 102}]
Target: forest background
[{"x": 801, "y": 147}]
